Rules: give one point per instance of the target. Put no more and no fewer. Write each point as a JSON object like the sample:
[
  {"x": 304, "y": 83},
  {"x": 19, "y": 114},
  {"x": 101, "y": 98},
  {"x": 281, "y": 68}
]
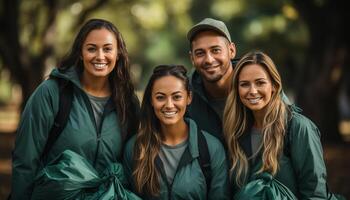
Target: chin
[{"x": 169, "y": 122}]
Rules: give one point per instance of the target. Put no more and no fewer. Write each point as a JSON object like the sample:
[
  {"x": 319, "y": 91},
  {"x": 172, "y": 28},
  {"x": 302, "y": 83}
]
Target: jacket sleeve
[
  {"x": 219, "y": 187},
  {"x": 307, "y": 158},
  {"x": 35, "y": 123}
]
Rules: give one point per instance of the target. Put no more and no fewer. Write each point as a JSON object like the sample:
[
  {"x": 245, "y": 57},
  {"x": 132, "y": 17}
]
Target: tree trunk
[{"x": 321, "y": 80}]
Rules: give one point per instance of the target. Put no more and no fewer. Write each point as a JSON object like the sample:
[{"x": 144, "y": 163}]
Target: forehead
[
  {"x": 168, "y": 84},
  {"x": 253, "y": 71},
  {"x": 100, "y": 36},
  {"x": 207, "y": 39}
]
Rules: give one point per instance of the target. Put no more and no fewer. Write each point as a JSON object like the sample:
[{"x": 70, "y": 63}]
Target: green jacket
[
  {"x": 189, "y": 181},
  {"x": 99, "y": 145},
  {"x": 201, "y": 111},
  {"x": 301, "y": 167}
]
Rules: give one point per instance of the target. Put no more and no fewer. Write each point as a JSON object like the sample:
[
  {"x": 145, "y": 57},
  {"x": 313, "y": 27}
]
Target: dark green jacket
[
  {"x": 201, "y": 111},
  {"x": 99, "y": 145},
  {"x": 301, "y": 167},
  {"x": 189, "y": 181}
]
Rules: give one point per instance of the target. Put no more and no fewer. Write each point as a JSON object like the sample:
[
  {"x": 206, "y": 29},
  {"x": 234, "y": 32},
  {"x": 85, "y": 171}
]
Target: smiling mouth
[
  {"x": 169, "y": 113},
  {"x": 254, "y": 100},
  {"x": 100, "y": 65}
]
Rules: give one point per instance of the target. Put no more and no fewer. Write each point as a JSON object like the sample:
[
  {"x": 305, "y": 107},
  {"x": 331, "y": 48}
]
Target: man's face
[{"x": 211, "y": 55}]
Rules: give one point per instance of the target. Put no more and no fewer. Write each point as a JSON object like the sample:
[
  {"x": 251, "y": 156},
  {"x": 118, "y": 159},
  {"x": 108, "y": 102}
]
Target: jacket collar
[
  {"x": 190, "y": 153},
  {"x": 70, "y": 74}
]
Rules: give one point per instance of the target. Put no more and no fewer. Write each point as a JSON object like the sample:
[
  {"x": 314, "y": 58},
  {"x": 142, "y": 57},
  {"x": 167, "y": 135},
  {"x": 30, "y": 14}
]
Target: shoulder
[
  {"x": 46, "y": 93},
  {"x": 47, "y": 87},
  {"x": 299, "y": 121},
  {"x": 302, "y": 127},
  {"x": 214, "y": 145}
]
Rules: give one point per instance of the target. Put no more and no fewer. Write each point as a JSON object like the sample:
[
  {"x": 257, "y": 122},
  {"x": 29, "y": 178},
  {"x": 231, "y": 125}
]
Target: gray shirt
[
  {"x": 170, "y": 156},
  {"x": 256, "y": 141},
  {"x": 98, "y": 105}
]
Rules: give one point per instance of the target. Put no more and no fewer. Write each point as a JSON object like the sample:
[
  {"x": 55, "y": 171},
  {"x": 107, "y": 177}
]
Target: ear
[
  {"x": 274, "y": 89},
  {"x": 189, "y": 98},
  {"x": 191, "y": 57},
  {"x": 232, "y": 50}
]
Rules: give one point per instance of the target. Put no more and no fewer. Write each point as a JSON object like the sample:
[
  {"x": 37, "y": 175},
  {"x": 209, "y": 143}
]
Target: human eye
[
  {"x": 177, "y": 97},
  {"x": 244, "y": 84},
  {"x": 107, "y": 49},
  {"x": 216, "y": 50},
  {"x": 260, "y": 83},
  {"x": 199, "y": 53},
  {"x": 91, "y": 49},
  {"x": 159, "y": 97}
]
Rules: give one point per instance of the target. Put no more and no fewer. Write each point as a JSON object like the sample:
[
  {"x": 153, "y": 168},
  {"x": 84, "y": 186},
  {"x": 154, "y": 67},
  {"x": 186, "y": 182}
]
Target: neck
[
  {"x": 221, "y": 88},
  {"x": 259, "y": 119},
  {"x": 96, "y": 86},
  {"x": 174, "y": 134}
]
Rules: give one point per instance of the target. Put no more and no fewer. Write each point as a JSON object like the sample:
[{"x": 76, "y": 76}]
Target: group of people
[{"x": 237, "y": 107}]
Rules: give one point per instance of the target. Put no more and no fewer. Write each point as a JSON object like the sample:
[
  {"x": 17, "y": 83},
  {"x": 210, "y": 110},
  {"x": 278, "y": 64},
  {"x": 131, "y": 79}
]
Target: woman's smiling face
[
  {"x": 254, "y": 87},
  {"x": 169, "y": 100}
]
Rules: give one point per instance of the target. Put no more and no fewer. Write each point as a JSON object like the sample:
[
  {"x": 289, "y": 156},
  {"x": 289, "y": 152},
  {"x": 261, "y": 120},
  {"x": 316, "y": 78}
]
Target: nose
[
  {"x": 209, "y": 58},
  {"x": 100, "y": 54},
  {"x": 252, "y": 89},
  {"x": 169, "y": 103}
]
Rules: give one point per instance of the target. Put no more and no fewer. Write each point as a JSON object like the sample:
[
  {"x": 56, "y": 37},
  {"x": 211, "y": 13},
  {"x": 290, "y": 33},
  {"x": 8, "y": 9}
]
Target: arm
[
  {"x": 219, "y": 169},
  {"x": 307, "y": 158},
  {"x": 36, "y": 121}
]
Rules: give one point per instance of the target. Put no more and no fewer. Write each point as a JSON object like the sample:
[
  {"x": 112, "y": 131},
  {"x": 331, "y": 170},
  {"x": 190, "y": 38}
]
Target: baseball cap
[{"x": 209, "y": 24}]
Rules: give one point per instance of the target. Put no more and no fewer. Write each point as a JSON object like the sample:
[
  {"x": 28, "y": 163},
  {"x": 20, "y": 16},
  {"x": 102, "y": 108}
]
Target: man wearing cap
[{"x": 212, "y": 53}]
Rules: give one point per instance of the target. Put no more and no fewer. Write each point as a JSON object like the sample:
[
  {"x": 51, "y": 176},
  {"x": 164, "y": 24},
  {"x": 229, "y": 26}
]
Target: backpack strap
[
  {"x": 204, "y": 158},
  {"x": 61, "y": 118}
]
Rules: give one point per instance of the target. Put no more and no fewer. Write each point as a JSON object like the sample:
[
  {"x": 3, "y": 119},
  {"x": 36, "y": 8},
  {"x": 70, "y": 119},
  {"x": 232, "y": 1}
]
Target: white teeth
[
  {"x": 169, "y": 114},
  {"x": 254, "y": 101},
  {"x": 99, "y": 66}
]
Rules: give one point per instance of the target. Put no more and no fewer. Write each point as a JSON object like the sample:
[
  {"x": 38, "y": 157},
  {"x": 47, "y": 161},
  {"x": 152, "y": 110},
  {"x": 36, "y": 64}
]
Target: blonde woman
[{"x": 264, "y": 135}]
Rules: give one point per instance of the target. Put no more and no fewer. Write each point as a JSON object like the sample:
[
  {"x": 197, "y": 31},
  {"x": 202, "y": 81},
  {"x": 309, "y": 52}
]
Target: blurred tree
[
  {"x": 326, "y": 66},
  {"x": 27, "y": 37},
  {"x": 306, "y": 39}
]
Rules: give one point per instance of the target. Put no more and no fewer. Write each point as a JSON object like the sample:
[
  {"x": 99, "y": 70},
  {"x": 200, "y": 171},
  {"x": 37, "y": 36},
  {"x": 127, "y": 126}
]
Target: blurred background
[{"x": 307, "y": 39}]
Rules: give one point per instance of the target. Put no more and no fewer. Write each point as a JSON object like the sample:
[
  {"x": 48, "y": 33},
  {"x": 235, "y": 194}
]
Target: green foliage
[{"x": 155, "y": 31}]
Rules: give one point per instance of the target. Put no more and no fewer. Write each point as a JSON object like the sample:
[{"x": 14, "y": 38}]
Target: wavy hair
[
  {"x": 238, "y": 120},
  {"x": 148, "y": 140},
  {"x": 123, "y": 92}
]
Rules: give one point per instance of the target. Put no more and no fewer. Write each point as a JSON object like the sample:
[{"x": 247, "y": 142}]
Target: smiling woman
[
  {"x": 162, "y": 161},
  {"x": 270, "y": 142},
  {"x": 104, "y": 110}
]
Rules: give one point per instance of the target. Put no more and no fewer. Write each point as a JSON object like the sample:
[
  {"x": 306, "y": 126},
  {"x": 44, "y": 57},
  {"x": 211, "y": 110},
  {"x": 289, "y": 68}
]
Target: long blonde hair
[
  {"x": 238, "y": 119},
  {"x": 149, "y": 139}
]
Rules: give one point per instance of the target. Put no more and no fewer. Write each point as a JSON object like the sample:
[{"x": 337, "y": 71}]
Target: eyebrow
[
  {"x": 171, "y": 93},
  {"x": 211, "y": 47},
  {"x": 258, "y": 79},
  {"x": 91, "y": 44}
]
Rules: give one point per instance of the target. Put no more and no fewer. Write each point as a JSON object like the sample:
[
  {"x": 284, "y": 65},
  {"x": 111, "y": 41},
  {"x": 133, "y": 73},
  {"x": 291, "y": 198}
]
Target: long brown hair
[
  {"x": 123, "y": 92},
  {"x": 148, "y": 139},
  {"x": 238, "y": 119}
]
